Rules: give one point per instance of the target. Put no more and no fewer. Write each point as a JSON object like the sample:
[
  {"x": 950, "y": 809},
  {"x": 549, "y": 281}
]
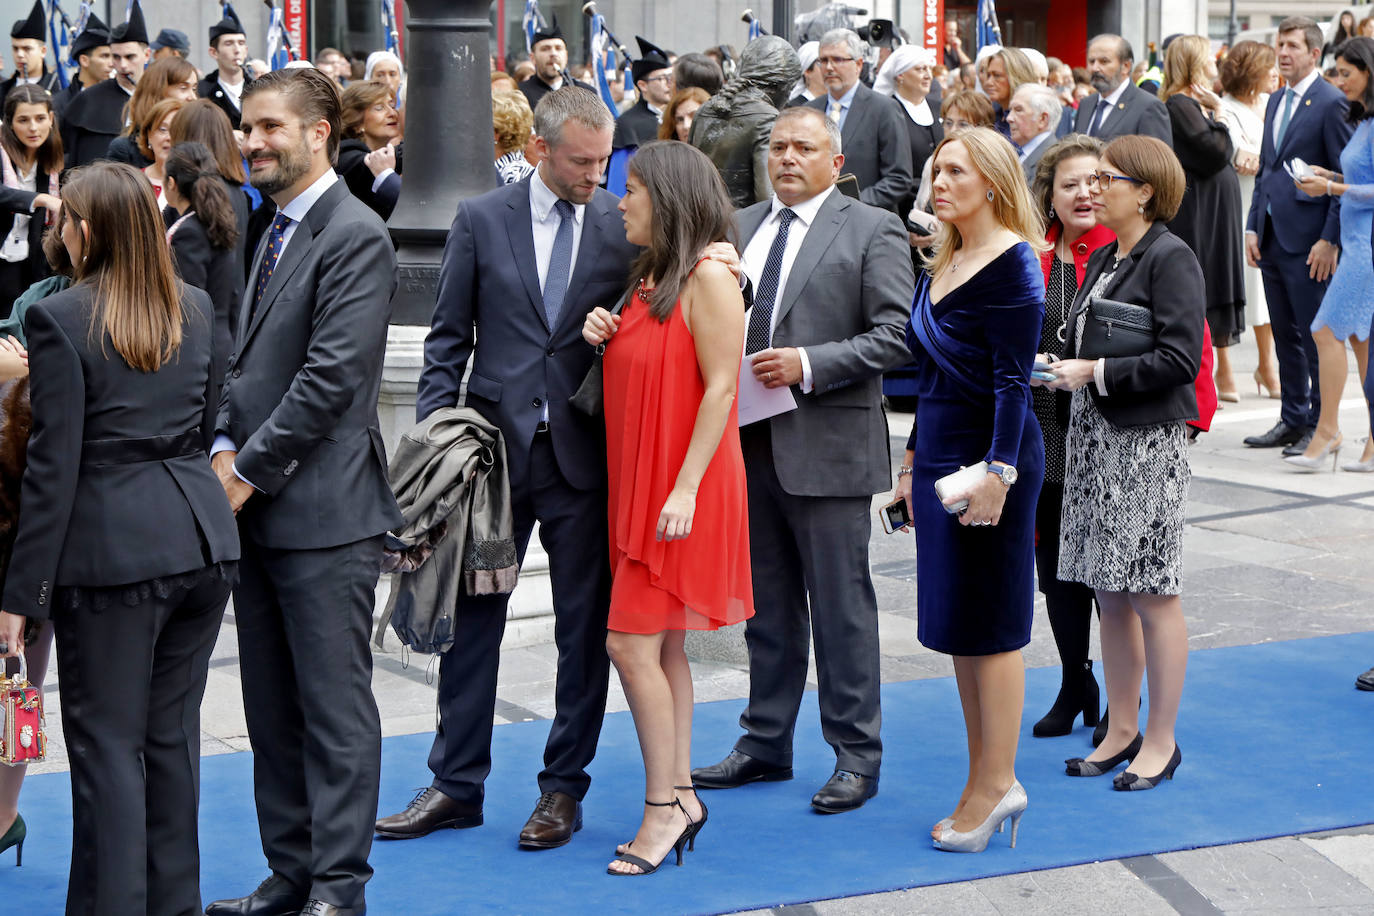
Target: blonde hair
[
  {"x": 1185, "y": 63},
  {"x": 511, "y": 118},
  {"x": 1012, "y": 207}
]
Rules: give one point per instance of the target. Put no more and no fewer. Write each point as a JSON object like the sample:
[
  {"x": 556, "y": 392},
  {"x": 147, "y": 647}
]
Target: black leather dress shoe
[
  {"x": 1297, "y": 448},
  {"x": 1281, "y": 434},
  {"x": 316, "y": 907},
  {"x": 556, "y": 817},
  {"x": 845, "y": 791},
  {"x": 427, "y": 812},
  {"x": 738, "y": 769},
  {"x": 274, "y": 897},
  {"x": 1365, "y": 681}
]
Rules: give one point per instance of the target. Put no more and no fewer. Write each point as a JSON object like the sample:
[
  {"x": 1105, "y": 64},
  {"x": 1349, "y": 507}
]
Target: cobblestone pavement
[{"x": 1271, "y": 555}]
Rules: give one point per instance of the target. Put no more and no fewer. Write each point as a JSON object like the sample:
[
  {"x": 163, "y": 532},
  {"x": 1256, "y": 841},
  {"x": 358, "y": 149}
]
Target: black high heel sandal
[
  {"x": 1077, "y": 766},
  {"x": 645, "y": 866},
  {"x": 1072, "y": 699},
  {"x": 697, "y": 824}
]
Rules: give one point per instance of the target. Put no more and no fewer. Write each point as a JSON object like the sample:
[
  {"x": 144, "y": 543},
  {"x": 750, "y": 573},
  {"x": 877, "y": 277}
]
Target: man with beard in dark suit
[
  {"x": 95, "y": 61},
  {"x": 549, "y": 53},
  {"x": 96, "y": 116},
  {"x": 27, "y": 42},
  {"x": 653, "y": 77},
  {"x": 229, "y": 48}
]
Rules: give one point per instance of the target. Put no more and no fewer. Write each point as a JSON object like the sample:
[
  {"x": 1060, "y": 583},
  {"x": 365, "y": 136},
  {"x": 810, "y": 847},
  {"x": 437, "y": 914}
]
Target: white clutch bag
[{"x": 961, "y": 481}]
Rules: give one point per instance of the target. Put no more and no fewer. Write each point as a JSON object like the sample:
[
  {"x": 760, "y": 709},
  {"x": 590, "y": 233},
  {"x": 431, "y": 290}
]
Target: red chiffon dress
[{"x": 653, "y": 389}]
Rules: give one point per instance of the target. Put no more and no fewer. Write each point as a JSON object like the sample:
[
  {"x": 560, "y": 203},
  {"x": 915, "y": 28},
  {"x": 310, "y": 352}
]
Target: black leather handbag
[
  {"x": 588, "y": 398},
  {"x": 1116, "y": 329}
]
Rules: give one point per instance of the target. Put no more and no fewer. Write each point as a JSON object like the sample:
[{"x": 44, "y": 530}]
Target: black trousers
[
  {"x": 1069, "y": 604},
  {"x": 573, "y": 530},
  {"x": 1293, "y": 298},
  {"x": 809, "y": 558},
  {"x": 132, "y": 682},
  {"x": 304, "y": 618}
]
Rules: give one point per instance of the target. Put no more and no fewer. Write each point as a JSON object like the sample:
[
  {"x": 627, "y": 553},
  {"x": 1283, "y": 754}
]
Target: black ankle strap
[
  {"x": 675, "y": 803},
  {"x": 689, "y": 788}
]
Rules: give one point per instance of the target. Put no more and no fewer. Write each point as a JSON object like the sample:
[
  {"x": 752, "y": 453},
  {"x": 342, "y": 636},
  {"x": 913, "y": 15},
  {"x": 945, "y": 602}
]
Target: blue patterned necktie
[
  {"x": 760, "y": 333},
  {"x": 1099, "y": 116},
  {"x": 560, "y": 264},
  {"x": 269, "y": 259}
]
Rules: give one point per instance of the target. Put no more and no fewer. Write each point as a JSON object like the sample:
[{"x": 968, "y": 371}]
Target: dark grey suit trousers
[
  {"x": 304, "y": 618},
  {"x": 809, "y": 547}
]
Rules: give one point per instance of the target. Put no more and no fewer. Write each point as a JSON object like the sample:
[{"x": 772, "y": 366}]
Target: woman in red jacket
[{"x": 1061, "y": 190}]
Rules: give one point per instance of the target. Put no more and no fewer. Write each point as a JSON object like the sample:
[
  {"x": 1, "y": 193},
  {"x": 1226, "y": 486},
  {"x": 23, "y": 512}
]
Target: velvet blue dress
[{"x": 974, "y": 349}]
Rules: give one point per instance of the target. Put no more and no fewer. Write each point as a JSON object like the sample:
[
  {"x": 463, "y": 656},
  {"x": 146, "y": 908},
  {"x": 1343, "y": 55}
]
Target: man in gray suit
[
  {"x": 1032, "y": 117},
  {"x": 833, "y": 287},
  {"x": 1119, "y": 107},
  {"x": 872, "y": 126},
  {"x": 299, "y": 452}
]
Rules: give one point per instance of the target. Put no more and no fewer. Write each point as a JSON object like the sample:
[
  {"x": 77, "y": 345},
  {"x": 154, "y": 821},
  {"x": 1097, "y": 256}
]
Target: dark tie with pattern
[
  {"x": 760, "y": 332},
  {"x": 275, "y": 243},
  {"x": 560, "y": 264},
  {"x": 1099, "y": 116}
]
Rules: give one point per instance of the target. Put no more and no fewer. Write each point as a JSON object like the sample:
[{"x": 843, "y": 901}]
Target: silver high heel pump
[
  {"x": 1012, "y": 806},
  {"x": 1332, "y": 449},
  {"x": 1359, "y": 467}
]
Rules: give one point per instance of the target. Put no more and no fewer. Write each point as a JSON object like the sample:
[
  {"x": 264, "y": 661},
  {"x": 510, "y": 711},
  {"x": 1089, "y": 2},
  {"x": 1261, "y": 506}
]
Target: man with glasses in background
[
  {"x": 877, "y": 147},
  {"x": 653, "y": 76}
]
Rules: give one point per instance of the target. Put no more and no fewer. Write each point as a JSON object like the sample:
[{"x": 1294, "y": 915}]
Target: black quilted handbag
[{"x": 1116, "y": 329}]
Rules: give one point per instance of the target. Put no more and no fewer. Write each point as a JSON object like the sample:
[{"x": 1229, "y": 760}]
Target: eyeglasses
[
  {"x": 665, "y": 78},
  {"x": 950, "y": 124},
  {"x": 1105, "y": 179},
  {"x": 834, "y": 61}
]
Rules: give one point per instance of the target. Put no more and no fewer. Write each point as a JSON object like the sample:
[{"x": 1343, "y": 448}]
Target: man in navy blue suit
[{"x": 1290, "y": 236}]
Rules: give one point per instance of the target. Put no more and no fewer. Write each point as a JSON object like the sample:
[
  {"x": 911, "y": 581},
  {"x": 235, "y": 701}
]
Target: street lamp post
[{"x": 447, "y": 157}]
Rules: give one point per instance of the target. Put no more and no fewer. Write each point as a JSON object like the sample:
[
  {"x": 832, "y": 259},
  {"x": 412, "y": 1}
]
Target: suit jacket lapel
[
  {"x": 296, "y": 251},
  {"x": 813, "y": 248},
  {"x": 246, "y": 303},
  {"x": 749, "y": 222},
  {"x": 594, "y": 218},
  {"x": 1299, "y": 107},
  {"x": 519, "y": 226},
  {"x": 854, "y": 120}
]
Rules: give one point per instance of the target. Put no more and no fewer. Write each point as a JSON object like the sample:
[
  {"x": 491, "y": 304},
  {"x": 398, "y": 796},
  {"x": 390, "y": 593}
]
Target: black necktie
[{"x": 760, "y": 332}]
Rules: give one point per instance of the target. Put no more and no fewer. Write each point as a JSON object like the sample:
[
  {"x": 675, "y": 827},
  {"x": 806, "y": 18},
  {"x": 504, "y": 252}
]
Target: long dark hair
[
  {"x": 691, "y": 210},
  {"x": 192, "y": 167},
  {"x": 126, "y": 257},
  {"x": 202, "y": 121},
  {"x": 49, "y": 156},
  {"x": 1358, "y": 52}
]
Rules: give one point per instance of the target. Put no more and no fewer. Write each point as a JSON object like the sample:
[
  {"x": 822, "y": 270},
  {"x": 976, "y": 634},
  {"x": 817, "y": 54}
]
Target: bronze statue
[{"x": 732, "y": 128}]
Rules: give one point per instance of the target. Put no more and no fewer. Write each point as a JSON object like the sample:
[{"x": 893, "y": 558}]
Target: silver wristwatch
[{"x": 1004, "y": 471}]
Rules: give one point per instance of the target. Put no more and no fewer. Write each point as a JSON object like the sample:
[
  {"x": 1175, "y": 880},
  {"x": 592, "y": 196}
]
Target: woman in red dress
[{"x": 679, "y": 516}]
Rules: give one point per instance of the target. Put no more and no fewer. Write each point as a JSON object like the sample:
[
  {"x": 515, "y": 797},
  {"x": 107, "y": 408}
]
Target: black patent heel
[
  {"x": 697, "y": 824},
  {"x": 645, "y": 866}
]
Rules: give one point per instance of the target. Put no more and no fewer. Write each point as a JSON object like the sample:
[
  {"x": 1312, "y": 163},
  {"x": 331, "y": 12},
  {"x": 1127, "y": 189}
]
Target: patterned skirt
[{"x": 1125, "y": 493}]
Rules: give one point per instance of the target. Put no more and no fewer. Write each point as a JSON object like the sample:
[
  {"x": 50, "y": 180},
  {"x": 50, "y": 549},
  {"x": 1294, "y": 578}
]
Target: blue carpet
[{"x": 1275, "y": 740}]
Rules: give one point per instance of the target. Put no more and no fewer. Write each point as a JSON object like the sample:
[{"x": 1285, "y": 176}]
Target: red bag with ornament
[{"x": 22, "y": 738}]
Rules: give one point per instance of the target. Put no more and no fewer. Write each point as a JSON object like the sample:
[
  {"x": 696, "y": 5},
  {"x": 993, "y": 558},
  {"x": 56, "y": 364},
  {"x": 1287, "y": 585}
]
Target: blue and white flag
[
  {"x": 278, "y": 55},
  {"x": 989, "y": 32},
  {"x": 60, "y": 30},
  {"x": 601, "y": 50},
  {"x": 532, "y": 23},
  {"x": 393, "y": 35},
  {"x": 755, "y": 28},
  {"x": 81, "y": 16}
]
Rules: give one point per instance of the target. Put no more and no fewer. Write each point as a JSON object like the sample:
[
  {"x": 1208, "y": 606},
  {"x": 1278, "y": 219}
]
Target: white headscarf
[
  {"x": 377, "y": 57},
  {"x": 898, "y": 62},
  {"x": 807, "y": 54}
]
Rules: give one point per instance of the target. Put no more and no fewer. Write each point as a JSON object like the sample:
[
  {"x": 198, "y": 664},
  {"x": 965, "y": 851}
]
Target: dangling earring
[
  {"x": 991, "y": 196},
  {"x": 1051, "y": 214},
  {"x": 1140, "y": 208}
]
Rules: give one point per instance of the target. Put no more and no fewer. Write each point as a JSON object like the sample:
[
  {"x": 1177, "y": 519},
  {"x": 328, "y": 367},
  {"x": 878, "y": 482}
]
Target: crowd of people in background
[{"x": 1058, "y": 260}]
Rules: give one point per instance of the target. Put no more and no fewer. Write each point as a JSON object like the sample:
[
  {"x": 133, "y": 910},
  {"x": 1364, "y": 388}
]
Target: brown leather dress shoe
[
  {"x": 427, "y": 812},
  {"x": 556, "y": 818}
]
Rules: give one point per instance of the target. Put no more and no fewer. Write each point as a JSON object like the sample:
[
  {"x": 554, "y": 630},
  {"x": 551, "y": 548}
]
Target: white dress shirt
[
  {"x": 842, "y": 103},
  {"x": 1034, "y": 144},
  {"x": 1299, "y": 90},
  {"x": 756, "y": 255},
  {"x": 295, "y": 211}
]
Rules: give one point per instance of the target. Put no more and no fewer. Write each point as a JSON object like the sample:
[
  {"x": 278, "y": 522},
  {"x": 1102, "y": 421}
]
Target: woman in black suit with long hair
[
  {"x": 127, "y": 542},
  {"x": 203, "y": 238},
  {"x": 30, "y": 162}
]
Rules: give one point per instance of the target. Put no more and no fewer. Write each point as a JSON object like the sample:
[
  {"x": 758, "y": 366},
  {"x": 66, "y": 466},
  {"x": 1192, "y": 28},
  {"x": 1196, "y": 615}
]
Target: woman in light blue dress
[{"x": 1348, "y": 306}]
